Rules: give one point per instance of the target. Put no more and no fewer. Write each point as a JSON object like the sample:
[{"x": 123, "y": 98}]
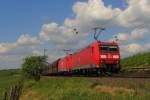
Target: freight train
[{"x": 97, "y": 58}]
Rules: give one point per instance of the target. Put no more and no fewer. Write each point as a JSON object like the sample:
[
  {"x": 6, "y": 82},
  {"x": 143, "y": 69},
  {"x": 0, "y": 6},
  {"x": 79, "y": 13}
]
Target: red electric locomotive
[{"x": 97, "y": 58}]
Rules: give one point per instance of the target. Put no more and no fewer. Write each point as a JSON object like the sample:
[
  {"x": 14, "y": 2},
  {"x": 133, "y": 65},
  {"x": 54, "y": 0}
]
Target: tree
[{"x": 32, "y": 66}]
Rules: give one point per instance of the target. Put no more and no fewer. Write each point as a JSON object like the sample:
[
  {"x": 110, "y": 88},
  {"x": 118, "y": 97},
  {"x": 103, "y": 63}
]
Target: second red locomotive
[{"x": 97, "y": 58}]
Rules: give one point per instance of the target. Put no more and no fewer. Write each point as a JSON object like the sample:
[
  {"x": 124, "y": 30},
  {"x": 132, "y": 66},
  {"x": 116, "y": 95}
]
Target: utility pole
[{"x": 45, "y": 51}]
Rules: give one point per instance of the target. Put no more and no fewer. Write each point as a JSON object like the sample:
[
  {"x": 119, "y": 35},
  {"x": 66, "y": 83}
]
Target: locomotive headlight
[
  {"x": 116, "y": 56},
  {"x": 103, "y": 56}
]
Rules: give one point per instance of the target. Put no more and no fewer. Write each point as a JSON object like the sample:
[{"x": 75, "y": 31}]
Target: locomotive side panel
[
  {"x": 87, "y": 58},
  {"x": 96, "y": 54},
  {"x": 69, "y": 62}
]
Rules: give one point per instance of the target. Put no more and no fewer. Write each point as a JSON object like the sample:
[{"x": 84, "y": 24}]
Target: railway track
[
  {"x": 125, "y": 76},
  {"x": 133, "y": 73},
  {"x": 146, "y": 76}
]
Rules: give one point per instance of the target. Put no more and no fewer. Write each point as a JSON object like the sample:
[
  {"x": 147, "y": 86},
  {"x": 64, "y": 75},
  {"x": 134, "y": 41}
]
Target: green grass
[
  {"x": 138, "y": 60},
  {"x": 71, "y": 88},
  {"x": 7, "y": 79}
]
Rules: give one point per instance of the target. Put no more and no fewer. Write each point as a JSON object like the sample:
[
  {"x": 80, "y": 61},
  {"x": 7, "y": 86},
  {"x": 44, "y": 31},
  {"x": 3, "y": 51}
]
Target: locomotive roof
[
  {"x": 108, "y": 43},
  {"x": 103, "y": 43}
]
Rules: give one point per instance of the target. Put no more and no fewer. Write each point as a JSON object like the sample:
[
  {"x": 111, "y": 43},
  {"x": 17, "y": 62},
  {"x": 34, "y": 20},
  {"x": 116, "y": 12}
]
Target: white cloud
[
  {"x": 134, "y": 48},
  {"x": 10, "y": 58},
  {"x": 37, "y": 52},
  {"x": 139, "y": 33},
  {"x": 61, "y": 36},
  {"x": 91, "y": 14},
  {"x": 25, "y": 39},
  {"x": 54, "y": 33},
  {"x": 94, "y": 9},
  {"x": 5, "y": 47},
  {"x": 136, "y": 14},
  {"x": 123, "y": 37},
  {"x": 136, "y": 35}
]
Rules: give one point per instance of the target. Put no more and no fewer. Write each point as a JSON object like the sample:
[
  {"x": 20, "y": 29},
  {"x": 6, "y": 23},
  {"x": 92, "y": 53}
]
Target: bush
[{"x": 32, "y": 66}]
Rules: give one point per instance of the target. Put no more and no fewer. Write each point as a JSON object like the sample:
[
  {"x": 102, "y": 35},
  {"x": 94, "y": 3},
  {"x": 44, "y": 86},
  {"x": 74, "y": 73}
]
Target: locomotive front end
[{"x": 109, "y": 57}]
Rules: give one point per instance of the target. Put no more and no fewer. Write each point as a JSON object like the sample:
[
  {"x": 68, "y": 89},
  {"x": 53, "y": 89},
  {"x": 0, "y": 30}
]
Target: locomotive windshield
[{"x": 108, "y": 48}]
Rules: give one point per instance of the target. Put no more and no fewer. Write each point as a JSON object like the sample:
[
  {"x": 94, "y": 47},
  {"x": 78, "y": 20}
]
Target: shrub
[{"x": 32, "y": 66}]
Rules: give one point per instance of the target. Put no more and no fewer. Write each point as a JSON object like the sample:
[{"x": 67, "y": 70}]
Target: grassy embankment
[{"x": 138, "y": 60}]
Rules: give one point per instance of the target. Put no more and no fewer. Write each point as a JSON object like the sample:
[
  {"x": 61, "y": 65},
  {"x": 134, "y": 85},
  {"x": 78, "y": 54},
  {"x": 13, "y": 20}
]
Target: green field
[
  {"x": 79, "y": 88},
  {"x": 7, "y": 79},
  {"x": 82, "y": 88}
]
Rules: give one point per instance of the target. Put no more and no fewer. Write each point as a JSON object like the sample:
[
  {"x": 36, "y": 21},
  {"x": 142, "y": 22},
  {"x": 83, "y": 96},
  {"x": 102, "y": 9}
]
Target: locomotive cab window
[
  {"x": 113, "y": 48},
  {"x": 108, "y": 48},
  {"x": 104, "y": 48}
]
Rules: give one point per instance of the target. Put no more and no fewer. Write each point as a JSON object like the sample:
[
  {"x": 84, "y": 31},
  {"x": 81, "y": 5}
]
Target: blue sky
[
  {"x": 29, "y": 26},
  {"x": 27, "y": 16}
]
